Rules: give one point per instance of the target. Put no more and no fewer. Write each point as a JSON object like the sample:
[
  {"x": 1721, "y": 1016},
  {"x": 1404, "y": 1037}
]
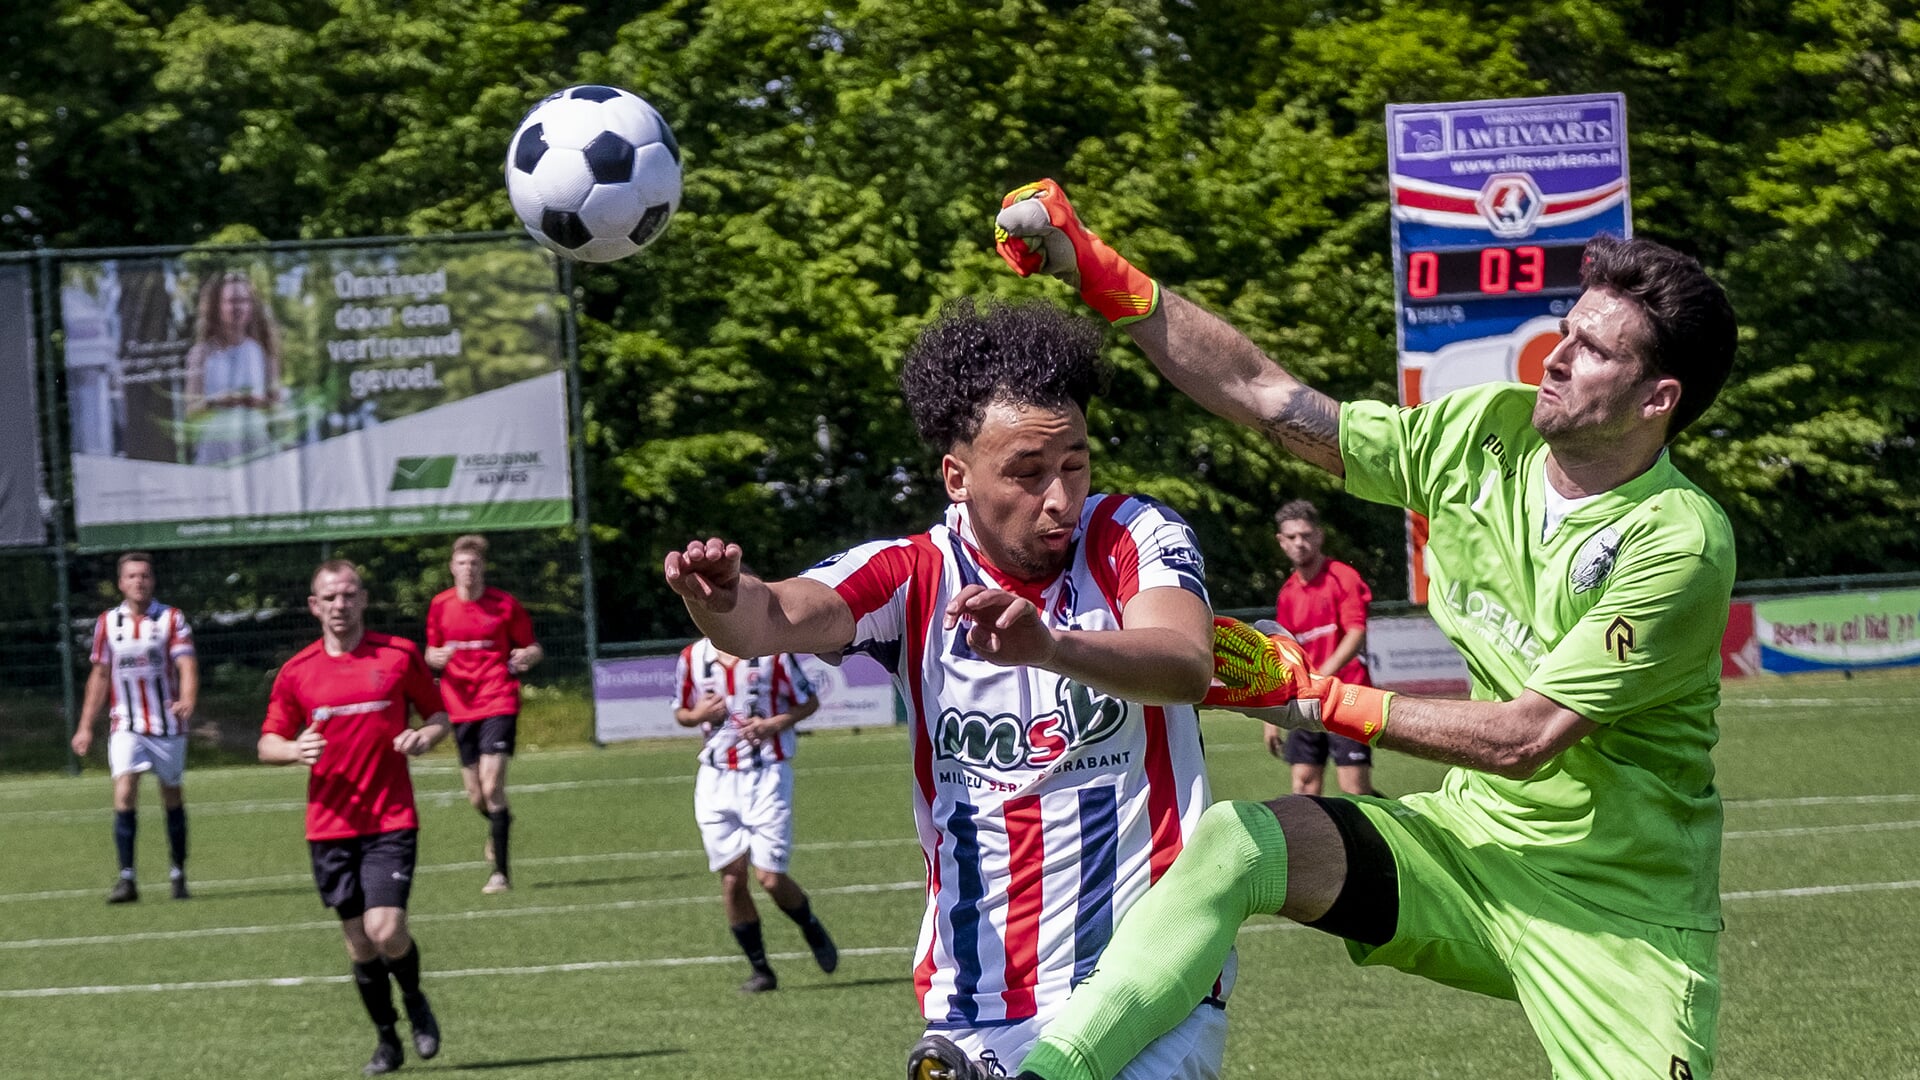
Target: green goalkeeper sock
[{"x": 1170, "y": 947}]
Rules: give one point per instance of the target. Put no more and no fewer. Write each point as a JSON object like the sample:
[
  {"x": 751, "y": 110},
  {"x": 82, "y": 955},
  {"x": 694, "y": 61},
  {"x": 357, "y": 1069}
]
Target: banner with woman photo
[{"x": 327, "y": 392}]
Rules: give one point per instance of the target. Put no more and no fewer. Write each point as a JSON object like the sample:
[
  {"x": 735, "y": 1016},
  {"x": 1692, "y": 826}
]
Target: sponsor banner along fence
[
  {"x": 22, "y": 517},
  {"x": 634, "y": 698},
  {"x": 1848, "y": 631},
  {"x": 315, "y": 393}
]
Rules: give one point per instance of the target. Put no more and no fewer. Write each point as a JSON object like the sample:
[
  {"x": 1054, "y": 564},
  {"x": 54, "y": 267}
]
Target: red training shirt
[
  {"x": 1321, "y": 611},
  {"x": 360, "y": 786},
  {"x": 476, "y": 682}
]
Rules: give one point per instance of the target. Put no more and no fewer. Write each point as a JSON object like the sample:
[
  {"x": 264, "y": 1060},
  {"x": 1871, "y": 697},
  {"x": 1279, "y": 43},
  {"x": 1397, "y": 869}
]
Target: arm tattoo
[{"x": 1308, "y": 423}]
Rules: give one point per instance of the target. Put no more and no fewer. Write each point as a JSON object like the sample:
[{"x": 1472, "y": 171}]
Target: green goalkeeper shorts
[{"x": 1610, "y": 998}]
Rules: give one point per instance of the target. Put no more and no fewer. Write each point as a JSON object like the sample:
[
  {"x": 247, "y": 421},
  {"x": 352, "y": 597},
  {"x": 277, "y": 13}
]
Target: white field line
[
  {"x": 734, "y": 958},
  {"x": 429, "y": 798},
  {"x": 1822, "y": 830},
  {"x": 31, "y": 787},
  {"x": 541, "y": 910},
  {"x": 1821, "y": 800},
  {"x": 217, "y": 885}
]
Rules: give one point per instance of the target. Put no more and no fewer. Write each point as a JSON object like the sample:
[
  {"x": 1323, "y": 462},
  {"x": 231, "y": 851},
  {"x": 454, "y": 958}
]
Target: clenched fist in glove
[
  {"x": 1267, "y": 676},
  {"x": 1038, "y": 232}
]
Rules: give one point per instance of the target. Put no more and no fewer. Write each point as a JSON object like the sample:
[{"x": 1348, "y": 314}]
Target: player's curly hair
[{"x": 975, "y": 353}]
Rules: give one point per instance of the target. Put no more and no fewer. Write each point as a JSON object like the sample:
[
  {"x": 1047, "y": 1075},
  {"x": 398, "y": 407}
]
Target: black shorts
[
  {"x": 364, "y": 872},
  {"x": 1314, "y": 747},
  {"x": 490, "y": 735}
]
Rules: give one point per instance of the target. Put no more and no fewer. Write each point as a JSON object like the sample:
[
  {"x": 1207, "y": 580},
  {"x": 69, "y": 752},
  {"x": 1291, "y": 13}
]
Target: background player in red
[
  {"x": 743, "y": 797},
  {"x": 339, "y": 707},
  {"x": 480, "y": 639},
  {"x": 143, "y": 662},
  {"x": 1323, "y": 604}
]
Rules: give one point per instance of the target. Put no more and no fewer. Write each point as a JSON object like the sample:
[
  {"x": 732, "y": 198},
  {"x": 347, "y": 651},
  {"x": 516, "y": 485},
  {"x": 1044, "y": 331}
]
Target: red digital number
[
  {"x": 1496, "y": 269},
  {"x": 1533, "y": 269},
  {"x": 1423, "y": 274}
]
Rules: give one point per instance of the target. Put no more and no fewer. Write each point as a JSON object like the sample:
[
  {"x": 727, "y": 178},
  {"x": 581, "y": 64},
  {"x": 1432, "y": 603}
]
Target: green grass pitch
[{"x": 611, "y": 958}]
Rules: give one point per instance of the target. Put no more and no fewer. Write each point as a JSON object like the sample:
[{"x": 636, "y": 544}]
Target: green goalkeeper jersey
[{"x": 1616, "y": 613}]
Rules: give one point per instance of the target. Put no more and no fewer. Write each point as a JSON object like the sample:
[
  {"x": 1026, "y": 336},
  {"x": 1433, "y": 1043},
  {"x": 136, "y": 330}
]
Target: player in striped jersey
[
  {"x": 1047, "y": 642},
  {"x": 743, "y": 796},
  {"x": 143, "y": 664}
]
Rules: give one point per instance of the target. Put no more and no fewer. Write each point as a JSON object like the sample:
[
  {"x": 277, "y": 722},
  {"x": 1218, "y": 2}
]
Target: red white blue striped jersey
[
  {"x": 138, "y": 650},
  {"x": 762, "y": 686},
  {"x": 1044, "y": 808}
]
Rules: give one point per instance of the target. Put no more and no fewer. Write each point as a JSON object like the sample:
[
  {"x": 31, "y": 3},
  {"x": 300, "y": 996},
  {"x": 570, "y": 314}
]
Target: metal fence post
[{"x": 583, "y": 521}]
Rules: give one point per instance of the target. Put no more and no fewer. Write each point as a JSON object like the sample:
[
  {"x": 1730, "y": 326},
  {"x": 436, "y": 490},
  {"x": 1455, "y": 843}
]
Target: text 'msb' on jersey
[
  {"x": 361, "y": 785},
  {"x": 139, "y": 649},
  {"x": 1044, "y": 808}
]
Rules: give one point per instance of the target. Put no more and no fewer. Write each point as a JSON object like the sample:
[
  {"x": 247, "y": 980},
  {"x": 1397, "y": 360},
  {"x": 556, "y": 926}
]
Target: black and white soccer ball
[{"x": 594, "y": 173}]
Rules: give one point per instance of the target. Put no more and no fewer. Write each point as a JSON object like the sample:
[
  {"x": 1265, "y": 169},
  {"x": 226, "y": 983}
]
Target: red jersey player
[
  {"x": 480, "y": 639},
  {"x": 1323, "y": 604},
  {"x": 339, "y": 707}
]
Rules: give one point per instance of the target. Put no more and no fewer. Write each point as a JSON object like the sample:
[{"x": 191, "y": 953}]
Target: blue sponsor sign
[{"x": 1492, "y": 204}]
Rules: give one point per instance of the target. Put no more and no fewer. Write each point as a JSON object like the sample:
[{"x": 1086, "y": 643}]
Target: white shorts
[
  {"x": 165, "y": 756},
  {"x": 1194, "y": 1050},
  {"x": 746, "y": 812}
]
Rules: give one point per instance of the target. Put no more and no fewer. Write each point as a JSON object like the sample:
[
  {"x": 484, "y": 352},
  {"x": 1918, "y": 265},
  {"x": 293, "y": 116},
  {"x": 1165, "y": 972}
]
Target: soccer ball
[{"x": 594, "y": 173}]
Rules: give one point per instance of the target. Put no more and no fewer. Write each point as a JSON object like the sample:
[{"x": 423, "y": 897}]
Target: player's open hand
[
  {"x": 309, "y": 745},
  {"x": 1003, "y": 628},
  {"x": 706, "y": 574}
]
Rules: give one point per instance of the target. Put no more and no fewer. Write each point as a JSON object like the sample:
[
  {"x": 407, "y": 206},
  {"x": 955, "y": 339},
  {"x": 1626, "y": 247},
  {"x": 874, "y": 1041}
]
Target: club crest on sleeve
[{"x": 1594, "y": 561}]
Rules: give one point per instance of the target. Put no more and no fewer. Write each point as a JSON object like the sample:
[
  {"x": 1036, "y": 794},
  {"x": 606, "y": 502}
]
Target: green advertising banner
[
  {"x": 236, "y": 397},
  {"x": 1850, "y": 630}
]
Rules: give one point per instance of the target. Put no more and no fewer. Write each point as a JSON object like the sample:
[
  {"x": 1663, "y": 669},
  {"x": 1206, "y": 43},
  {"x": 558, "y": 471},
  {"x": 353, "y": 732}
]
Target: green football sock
[{"x": 1170, "y": 947}]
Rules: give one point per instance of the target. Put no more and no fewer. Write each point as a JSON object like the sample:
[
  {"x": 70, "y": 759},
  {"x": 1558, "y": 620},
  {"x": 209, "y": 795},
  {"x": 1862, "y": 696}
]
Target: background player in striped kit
[
  {"x": 143, "y": 662},
  {"x": 743, "y": 796},
  {"x": 480, "y": 640},
  {"x": 1045, "y": 641}
]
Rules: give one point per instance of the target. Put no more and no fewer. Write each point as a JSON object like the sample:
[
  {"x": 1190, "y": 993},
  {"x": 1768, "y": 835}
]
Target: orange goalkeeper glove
[
  {"x": 1038, "y": 232},
  {"x": 1268, "y": 676}
]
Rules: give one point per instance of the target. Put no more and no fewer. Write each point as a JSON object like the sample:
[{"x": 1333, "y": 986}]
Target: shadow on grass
[{"x": 563, "y": 1059}]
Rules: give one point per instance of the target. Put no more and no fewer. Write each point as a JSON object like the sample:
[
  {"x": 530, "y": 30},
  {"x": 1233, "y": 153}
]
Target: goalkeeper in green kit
[{"x": 1571, "y": 860}]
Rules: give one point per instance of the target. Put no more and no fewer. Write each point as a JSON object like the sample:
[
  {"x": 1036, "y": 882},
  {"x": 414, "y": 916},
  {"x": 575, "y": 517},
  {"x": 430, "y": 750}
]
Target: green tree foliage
[{"x": 843, "y": 162}]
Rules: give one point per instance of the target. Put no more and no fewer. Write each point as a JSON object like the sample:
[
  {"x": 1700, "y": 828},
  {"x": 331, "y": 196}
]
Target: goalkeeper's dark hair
[
  {"x": 974, "y": 353},
  {"x": 1694, "y": 331}
]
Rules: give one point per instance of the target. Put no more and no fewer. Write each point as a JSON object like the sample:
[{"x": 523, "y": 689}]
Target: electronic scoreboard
[{"x": 1492, "y": 204}]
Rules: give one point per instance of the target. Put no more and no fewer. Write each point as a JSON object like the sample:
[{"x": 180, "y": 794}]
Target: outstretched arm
[
  {"x": 1163, "y": 656},
  {"x": 750, "y": 617},
  {"x": 1215, "y": 365},
  {"x": 1038, "y": 231}
]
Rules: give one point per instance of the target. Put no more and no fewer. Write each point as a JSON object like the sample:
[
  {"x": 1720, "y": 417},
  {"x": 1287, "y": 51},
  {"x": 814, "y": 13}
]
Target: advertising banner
[
  {"x": 246, "y": 397},
  {"x": 1492, "y": 203},
  {"x": 634, "y": 699},
  {"x": 1409, "y": 654},
  {"x": 22, "y": 517},
  {"x": 1849, "y": 631}
]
